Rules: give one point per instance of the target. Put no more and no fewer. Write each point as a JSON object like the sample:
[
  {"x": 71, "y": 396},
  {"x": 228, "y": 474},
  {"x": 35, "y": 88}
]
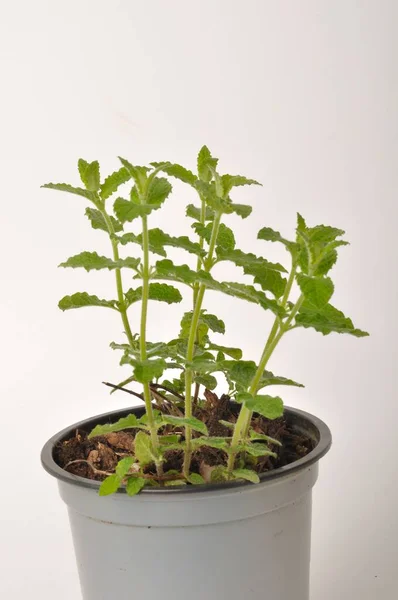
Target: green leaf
[
  {"x": 159, "y": 189},
  {"x": 126, "y": 210},
  {"x": 208, "y": 381},
  {"x": 134, "y": 485},
  {"x": 266, "y": 438},
  {"x": 230, "y": 181},
  {"x": 194, "y": 213},
  {"x": 166, "y": 269},
  {"x": 220, "y": 443},
  {"x": 219, "y": 474},
  {"x": 326, "y": 320},
  {"x": 113, "y": 181},
  {"x": 143, "y": 449},
  {"x": 317, "y": 290},
  {"x": 235, "y": 353},
  {"x": 175, "y": 482},
  {"x": 246, "y": 474},
  {"x": 191, "y": 422},
  {"x": 243, "y": 397},
  {"x": 213, "y": 322},
  {"x": 176, "y": 171},
  {"x": 149, "y": 369},
  {"x": 129, "y": 422},
  {"x": 89, "y": 174},
  {"x": 162, "y": 292},
  {"x": 92, "y": 261},
  {"x": 317, "y": 247},
  {"x": 269, "y": 378},
  {"x": 82, "y": 299},
  {"x": 241, "y": 371},
  {"x": 166, "y": 440},
  {"x": 110, "y": 485},
  {"x": 249, "y": 293},
  {"x": 256, "y": 449},
  {"x": 65, "y": 187},
  {"x": 124, "y": 466},
  {"x": 243, "y": 210},
  {"x": 225, "y": 238},
  {"x": 195, "y": 479},
  {"x": 158, "y": 239},
  {"x": 98, "y": 222},
  {"x": 270, "y": 407},
  {"x": 206, "y": 164},
  {"x": 139, "y": 174}
]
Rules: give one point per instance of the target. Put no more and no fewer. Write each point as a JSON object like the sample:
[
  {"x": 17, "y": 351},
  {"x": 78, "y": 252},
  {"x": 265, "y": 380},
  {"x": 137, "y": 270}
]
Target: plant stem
[
  {"x": 242, "y": 425},
  {"x": 191, "y": 342},
  {"x": 143, "y": 351},
  {"x": 118, "y": 275},
  {"x": 198, "y": 267}
]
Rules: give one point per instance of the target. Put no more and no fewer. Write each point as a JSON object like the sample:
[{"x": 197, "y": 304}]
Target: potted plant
[{"x": 195, "y": 494}]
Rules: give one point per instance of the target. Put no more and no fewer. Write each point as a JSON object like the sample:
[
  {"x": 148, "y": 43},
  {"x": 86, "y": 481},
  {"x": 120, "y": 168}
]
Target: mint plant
[{"x": 173, "y": 406}]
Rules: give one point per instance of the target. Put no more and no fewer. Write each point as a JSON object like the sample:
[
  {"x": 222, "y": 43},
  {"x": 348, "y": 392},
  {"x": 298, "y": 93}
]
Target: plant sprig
[{"x": 175, "y": 427}]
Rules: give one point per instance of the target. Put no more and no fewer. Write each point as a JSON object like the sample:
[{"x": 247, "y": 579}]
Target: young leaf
[
  {"x": 139, "y": 174},
  {"x": 134, "y": 485},
  {"x": 235, "y": 353},
  {"x": 326, "y": 320},
  {"x": 159, "y": 189},
  {"x": 194, "y": 213},
  {"x": 110, "y": 485},
  {"x": 230, "y": 181},
  {"x": 246, "y": 474},
  {"x": 195, "y": 479},
  {"x": 266, "y": 438},
  {"x": 147, "y": 370},
  {"x": 220, "y": 443},
  {"x": 219, "y": 474},
  {"x": 143, "y": 449},
  {"x": 206, "y": 164},
  {"x": 243, "y": 397},
  {"x": 317, "y": 290},
  {"x": 192, "y": 422},
  {"x": 269, "y": 378},
  {"x": 92, "y": 261},
  {"x": 162, "y": 292},
  {"x": 158, "y": 239},
  {"x": 166, "y": 269},
  {"x": 241, "y": 371},
  {"x": 225, "y": 238},
  {"x": 213, "y": 322},
  {"x": 176, "y": 171},
  {"x": 113, "y": 181},
  {"x": 89, "y": 174},
  {"x": 65, "y": 187},
  {"x": 129, "y": 422},
  {"x": 126, "y": 210},
  {"x": 124, "y": 466},
  {"x": 82, "y": 299},
  {"x": 243, "y": 210},
  {"x": 98, "y": 222},
  {"x": 256, "y": 449},
  {"x": 208, "y": 381},
  {"x": 270, "y": 407}
]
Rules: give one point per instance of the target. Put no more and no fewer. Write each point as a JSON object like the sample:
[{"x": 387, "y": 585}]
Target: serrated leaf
[
  {"x": 241, "y": 371},
  {"x": 65, "y": 187},
  {"x": 230, "y": 181},
  {"x": 191, "y": 422},
  {"x": 225, "y": 237},
  {"x": 166, "y": 269},
  {"x": 175, "y": 482},
  {"x": 161, "y": 292},
  {"x": 235, "y": 353},
  {"x": 139, "y": 174},
  {"x": 256, "y": 449},
  {"x": 113, "y": 181},
  {"x": 147, "y": 370},
  {"x": 266, "y": 438},
  {"x": 82, "y": 299},
  {"x": 90, "y": 174},
  {"x": 125, "y": 210},
  {"x": 206, "y": 164},
  {"x": 98, "y": 222},
  {"x": 195, "y": 479},
  {"x": 316, "y": 290},
  {"x": 246, "y": 474},
  {"x": 177, "y": 171},
  {"x": 220, "y": 443},
  {"x": 270, "y": 407},
  {"x": 269, "y": 378},
  {"x": 213, "y": 322},
  {"x": 158, "y": 239},
  {"x": 326, "y": 320},
  {"x": 249, "y": 293},
  {"x": 208, "y": 381},
  {"x": 243, "y": 397},
  {"x": 219, "y": 474},
  {"x": 194, "y": 213},
  {"x": 110, "y": 485},
  {"x": 159, "y": 189},
  {"x": 134, "y": 485},
  {"x": 129, "y": 422},
  {"x": 243, "y": 210},
  {"x": 92, "y": 261},
  {"x": 201, "y": 364},
  {"x": 143, "y": 449},
  {"x": 124, "y": 466},
  {"x": 167, "y": 440}
]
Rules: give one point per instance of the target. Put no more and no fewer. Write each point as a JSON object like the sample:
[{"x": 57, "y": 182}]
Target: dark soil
[{"x": 97, "y": 457}]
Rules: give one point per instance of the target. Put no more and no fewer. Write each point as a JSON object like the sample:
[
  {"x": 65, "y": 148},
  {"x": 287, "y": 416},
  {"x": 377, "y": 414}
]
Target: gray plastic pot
[{"x": 211, "y": 542}]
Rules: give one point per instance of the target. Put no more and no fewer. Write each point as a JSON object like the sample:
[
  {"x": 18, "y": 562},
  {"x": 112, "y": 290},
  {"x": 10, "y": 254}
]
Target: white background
[{"x": 301, "y": 95}]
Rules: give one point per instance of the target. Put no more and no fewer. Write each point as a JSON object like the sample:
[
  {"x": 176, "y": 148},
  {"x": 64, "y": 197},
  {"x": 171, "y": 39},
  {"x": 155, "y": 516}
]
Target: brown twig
[
  {"x": 196, "y": 394},
  {"x": 169, "y": 405},
  {"x": 123, "y": 389},
  {"x": 96, "y": 471},
  {"x": 167, "y": 389}
]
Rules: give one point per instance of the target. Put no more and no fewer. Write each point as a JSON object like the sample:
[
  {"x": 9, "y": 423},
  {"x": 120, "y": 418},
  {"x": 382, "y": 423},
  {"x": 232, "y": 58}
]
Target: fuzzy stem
[
  {"x": 143, "y": 351},
  {"x": 198, "y": 266},
  {"x": 242, "y": 425},
  {"x": 208, "y": 263}
]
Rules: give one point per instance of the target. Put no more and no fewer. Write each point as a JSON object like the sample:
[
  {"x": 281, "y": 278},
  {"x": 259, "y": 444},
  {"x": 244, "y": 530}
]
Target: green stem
[
  {"x": 191, "y": 342},
  {"x": 242, "y": 425},
  {"x": 143, "y": 351}
]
